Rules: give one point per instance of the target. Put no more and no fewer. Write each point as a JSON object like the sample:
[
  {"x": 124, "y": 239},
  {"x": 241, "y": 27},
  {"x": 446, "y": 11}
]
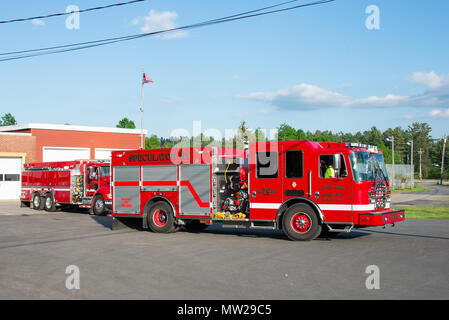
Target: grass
[
  {"x": 416, "y": 188},
  {"x": 426, "y": 212}
]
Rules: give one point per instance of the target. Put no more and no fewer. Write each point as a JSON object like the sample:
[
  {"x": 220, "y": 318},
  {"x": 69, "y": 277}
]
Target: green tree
[
  {"x": 286, "y": 133},
  {"x": 8, "y": 120},
  {"x": 259, "y": 136},
  {"x": 422, "y": 142},
  {"x": 373, "y": 137},
  {"x": 126, "y": 123},
  {"x": 152, "y": 142}
]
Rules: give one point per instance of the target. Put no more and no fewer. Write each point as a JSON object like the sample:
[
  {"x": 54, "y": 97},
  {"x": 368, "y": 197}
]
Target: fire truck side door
[
  {"x": 333, "y": 194},
  {"x": 92, "y": 177},
  {"x": 295, "y": 183},
  {"x": 265, "y": 186}
]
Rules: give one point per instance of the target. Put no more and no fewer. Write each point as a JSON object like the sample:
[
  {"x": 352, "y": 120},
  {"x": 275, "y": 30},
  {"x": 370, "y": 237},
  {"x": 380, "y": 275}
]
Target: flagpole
[{"x": 142, "y": 145}]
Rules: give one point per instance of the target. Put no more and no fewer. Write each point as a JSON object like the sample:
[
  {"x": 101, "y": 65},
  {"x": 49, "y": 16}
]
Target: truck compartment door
[
  {"x": 126, "y": 191},
  {"x": 195, "y": 189},
  {"x": 159, "y": 178}
]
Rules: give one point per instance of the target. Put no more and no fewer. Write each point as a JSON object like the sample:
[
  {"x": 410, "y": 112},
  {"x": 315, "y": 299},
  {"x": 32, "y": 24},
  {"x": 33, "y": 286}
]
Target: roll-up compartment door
[
  {"x": 195, "y": 189},
  {"x": 159, "y": 178},
  {"x": 126, "y": 192}
]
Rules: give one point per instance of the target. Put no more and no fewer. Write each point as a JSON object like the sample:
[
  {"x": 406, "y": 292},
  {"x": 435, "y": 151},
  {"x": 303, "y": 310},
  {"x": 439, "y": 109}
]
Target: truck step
[{"x": 263, "y": 225}]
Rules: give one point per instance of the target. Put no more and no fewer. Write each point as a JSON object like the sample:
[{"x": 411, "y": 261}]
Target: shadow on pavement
[{"x": 407, "y": 235}]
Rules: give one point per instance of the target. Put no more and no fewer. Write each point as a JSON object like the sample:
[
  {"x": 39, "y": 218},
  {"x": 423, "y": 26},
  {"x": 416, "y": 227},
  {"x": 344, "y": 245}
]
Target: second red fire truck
[
  {"x": 276, "y": 185},
  {"x": 81, "y": 183}
]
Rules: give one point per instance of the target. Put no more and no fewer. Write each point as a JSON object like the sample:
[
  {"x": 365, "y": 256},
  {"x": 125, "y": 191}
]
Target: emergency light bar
[{"x": 370, "y": 148}]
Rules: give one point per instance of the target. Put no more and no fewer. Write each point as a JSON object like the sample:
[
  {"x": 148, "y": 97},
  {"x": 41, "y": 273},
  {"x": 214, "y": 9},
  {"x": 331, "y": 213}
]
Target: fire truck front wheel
[
  {"x": 300, "y": 222},
  {"x": 160, "y": 218},
  {"x": 37, "y": 202}
]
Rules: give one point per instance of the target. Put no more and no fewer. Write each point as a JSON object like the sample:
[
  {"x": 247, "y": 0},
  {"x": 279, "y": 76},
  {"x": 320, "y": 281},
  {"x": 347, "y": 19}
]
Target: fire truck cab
[
  {"x": 82, "y": 183},
  {"x": 304, "y": 188}
]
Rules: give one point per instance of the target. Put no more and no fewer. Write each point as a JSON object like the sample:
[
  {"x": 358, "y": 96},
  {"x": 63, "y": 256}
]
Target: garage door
[
  {"x": 65, "y": 154},
  {"x": 10, "y": 173},
  {"x": 104, "y": 154}
]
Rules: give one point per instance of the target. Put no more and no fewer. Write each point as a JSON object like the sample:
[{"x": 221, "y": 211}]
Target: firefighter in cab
[{"x": 330, "y": 172}]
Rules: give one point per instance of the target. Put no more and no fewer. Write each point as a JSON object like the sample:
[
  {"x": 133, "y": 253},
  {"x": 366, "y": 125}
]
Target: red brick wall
[
  {"x": 19, "y": 144},
  {"x": 83, "y": 139}
]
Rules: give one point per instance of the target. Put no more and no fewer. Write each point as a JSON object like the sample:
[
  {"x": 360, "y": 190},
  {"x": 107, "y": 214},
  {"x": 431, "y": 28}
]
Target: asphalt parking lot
[{"x": 36, "y": 248}]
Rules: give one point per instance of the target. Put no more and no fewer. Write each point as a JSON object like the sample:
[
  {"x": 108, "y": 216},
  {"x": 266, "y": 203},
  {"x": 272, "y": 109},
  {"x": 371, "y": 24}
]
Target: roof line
[{"x": 67, "y": 127}]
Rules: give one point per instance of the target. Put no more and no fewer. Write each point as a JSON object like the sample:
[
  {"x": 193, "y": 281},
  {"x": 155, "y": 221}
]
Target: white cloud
[
  {"x": 135, "y": 21},
  {"x": 438, "y": 113},
  {"x": 302, "y": 96},
  {"x": 390, "y": 100},
  {"x": 158, "y": 21},
  {"x": 430, "y": 79},
  {"x": 38, "y": 22},
  {"x": 307, "y": 96}
]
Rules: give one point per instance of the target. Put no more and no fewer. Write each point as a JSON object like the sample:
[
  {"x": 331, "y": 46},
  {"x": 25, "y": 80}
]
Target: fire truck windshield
[
  {"x": 105, "y": 171},
  {"x": 362, "y": 165},
  {"x": 380, "y": 164}
]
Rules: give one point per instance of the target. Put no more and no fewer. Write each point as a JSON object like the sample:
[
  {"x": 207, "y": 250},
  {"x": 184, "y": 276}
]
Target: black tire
[
  {"x": 49, "y": 203},
  {"x": 98, "y": 206},
  {"x": 195, "y": 226},
  {"x": 36, "y": 202},
  {"x": 160, "y": 218},
  {"x": 300, "y": 222}
]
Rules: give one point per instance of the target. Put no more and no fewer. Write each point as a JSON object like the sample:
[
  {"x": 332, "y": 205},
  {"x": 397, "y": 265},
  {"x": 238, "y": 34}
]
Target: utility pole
[
  {"x": 420, "y": 160},
  {"x": 392, "y": 160},
  {"x": 392, "y": 157},
  {"x": 142, "y": 143},
  {"x": 442, "y": 159},
  {"x": 412, "y": 178}
]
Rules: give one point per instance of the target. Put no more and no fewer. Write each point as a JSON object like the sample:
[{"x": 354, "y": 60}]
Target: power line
[
  {"x": 145, "y": 34},
  {"x": 66, "y": 13},
  {"x": 95, "y": 43}
]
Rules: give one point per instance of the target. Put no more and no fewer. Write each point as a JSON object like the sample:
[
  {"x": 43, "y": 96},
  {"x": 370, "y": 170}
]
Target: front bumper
[{"x": 381, "y": 218}]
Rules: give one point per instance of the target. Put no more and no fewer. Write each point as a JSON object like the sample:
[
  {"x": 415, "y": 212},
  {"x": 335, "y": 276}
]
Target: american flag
[{"x": 146, "y": 79}]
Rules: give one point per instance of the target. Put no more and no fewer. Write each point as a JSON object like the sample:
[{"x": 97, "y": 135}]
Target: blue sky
[{"x": 315, "y": 68}]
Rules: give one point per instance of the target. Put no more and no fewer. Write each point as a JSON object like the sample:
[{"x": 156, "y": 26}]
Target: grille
[{"x": 381, "y": 196}]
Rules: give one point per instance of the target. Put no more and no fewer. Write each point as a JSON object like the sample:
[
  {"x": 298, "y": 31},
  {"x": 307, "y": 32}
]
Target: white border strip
[
  {"x": 261, "y": 205},
  {"x": 69, "y": 128},
  {"x": 334, "y": 207}
]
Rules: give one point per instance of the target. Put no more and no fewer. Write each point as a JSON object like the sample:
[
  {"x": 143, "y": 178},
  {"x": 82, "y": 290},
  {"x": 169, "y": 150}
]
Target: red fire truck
[
  {"x": 276, "y": 185},
  {"x": 82, "y": 183}
]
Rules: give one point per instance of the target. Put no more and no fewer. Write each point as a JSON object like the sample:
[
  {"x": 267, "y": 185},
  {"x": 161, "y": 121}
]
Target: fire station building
[{"x": 35, "y": 142}]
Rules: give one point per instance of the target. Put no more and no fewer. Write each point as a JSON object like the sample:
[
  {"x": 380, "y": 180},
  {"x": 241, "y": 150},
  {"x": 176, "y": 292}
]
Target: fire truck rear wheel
[
  {"x": 98, "y": 207},
  {"x": 300, "y": 222},
  {"x": 160, "y": 218},
  {"x": 37, "y": 202},
  {"x": 49, "y": 203}
]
